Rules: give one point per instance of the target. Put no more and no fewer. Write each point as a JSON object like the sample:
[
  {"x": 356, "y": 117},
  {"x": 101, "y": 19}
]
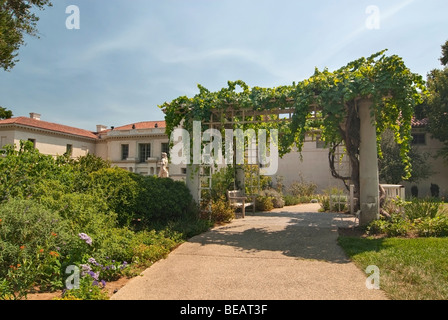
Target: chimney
[
  {"x": 35, "y": 116},
  {"x": 100, "y": 127}
]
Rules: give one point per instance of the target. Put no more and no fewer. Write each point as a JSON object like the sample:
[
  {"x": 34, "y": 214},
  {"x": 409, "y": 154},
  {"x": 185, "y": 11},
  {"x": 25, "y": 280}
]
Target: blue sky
[{"x": 128, "y": 57}]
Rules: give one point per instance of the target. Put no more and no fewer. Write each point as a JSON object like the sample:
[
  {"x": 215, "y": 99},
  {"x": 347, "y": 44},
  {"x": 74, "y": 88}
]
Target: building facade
[{"x": 138, "y": 148}]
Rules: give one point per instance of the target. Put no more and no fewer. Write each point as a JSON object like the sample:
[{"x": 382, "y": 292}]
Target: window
[
  {"x": 418, "y": 138},
  {"x": 3, "y": 141},
  {"x": 144, "y": 151},
  {"x": 124, "y": 151},
  {"x": 33, "y": 141},
  {"x": 319, "y": 143},
  {"x": 166, "y": 148},
  {"x": 184, "y": 170},
  {"x": 69, "y": 149}
]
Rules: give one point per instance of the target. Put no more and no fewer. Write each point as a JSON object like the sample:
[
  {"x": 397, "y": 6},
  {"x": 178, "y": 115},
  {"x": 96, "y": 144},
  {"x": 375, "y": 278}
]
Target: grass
[{"x": 410, "y": 269}]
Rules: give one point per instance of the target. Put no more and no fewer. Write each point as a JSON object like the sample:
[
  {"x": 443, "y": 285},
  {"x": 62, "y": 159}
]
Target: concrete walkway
[{"x": 286, "y": 254}]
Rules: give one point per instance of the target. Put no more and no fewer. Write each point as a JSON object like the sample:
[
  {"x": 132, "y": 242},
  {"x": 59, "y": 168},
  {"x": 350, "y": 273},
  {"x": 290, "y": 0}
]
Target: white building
[{"x": 138, "y": 147}]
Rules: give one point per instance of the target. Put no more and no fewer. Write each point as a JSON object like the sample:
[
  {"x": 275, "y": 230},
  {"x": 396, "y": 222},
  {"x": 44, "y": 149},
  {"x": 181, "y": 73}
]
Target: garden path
[{"x": 286, "y": 254}]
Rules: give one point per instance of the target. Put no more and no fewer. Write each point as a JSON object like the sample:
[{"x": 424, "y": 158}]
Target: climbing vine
[{"x": 385, "y": 80}]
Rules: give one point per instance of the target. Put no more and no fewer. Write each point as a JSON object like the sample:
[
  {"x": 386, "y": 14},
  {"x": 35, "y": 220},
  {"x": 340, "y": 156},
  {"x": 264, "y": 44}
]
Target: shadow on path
[{"x": 281, "y": 234}]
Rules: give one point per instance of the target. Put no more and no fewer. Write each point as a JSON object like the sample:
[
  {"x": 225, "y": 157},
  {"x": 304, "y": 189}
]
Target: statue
[{"x": 163, "y": 173}]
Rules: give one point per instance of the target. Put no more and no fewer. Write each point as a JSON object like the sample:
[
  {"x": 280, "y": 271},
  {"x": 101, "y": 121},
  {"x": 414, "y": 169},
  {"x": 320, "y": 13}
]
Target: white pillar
[
  {"x": 192, "y": 181},
  {"x": 368, "y": 165}
]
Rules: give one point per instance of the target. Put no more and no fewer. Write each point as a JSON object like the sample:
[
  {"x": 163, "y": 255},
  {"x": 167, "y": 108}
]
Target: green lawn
[{"x": 415, "y": 269}]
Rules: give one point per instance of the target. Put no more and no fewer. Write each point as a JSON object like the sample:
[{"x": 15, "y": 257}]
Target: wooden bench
[{"x": 239, "y": 200}]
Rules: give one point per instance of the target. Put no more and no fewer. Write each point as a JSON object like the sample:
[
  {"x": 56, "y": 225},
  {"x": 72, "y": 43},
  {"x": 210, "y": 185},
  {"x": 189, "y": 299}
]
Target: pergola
[{"x": 199, "y": 176}]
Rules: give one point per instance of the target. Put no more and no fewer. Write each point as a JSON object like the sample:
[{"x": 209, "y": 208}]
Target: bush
[
  {"x": 277, "y": 199},
  {"x": 162, "y": 199},
  {"x": 222, "y": 212},
  {"x": 395, "y": 227},
  {"x": 333, "y": 200},
  {"x": 32, "y": 240},
  {"x": 302, "y": 188},
  {"x": 422, "y": 208},
  {"x": 291, "y": 200},
  {"x": 421, "y": 217},
  {"x": 264, "y": 203},
  {"x": 119, "y": 190}
]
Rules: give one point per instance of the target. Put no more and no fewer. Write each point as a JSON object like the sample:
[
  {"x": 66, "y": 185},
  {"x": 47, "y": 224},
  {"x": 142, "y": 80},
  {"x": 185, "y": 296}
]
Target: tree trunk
[{"x": 349, "y": 131}]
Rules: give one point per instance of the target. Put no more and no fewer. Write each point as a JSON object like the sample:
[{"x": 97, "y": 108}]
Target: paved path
[{"x": 288, "y": 254}]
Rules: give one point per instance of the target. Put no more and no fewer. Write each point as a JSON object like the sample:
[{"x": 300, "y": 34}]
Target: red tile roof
[
  {"x": 143, "y": 125},
  {"x": 416, "y": 123},
  {"x": 29, "y": 122}
]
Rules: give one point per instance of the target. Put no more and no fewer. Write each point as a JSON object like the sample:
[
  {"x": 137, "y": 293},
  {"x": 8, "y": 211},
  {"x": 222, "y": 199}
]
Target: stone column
[
  {"x": 368, "y": 165},
  {"x": 239, "y": 177},
  {"x": 192, "y": 181}
]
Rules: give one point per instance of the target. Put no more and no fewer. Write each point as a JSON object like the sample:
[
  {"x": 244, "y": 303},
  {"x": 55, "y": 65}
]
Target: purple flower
[
  {"x": 92, "y": 261},
  {"x": 103, "y": 283},
  {"x": 85, "y": 269},
  {"x": 86, "y": 238},
  {"x": 94, "y": 275}
]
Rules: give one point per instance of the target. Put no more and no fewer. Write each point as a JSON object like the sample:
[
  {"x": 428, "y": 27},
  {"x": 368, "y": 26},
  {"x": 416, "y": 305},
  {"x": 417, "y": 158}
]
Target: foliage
[
  {"x": 32, "y": 240},
  {"x": 276, "y": 197},
  {"x": 418, "y": 217},
  {"x": 222, "y": 181},
  {"x": 87, "y": 291},
  {"x": 437, "y": 107},
  {"x": 264, "y": 203},
  {"x": 173, "y": 199},
  {"x": 22, "y": 169},
  {"x": 422, "y": 208},
  {"x": 221, "y": 211},
  {"x": 119, "y": 190},
  {"x": 390, "y": 166},
  {"x": 334, "y": 200},
  {"x": 291, "y": 200},
  {"x": 302, "y": 188},
  {"x": 57, "y": 212},
  {"x": 392, "y": 87},
  {"x": 444, "y": 58},
  {"x": 16, "y": 21},
  {"x": 5, "y": 114}
]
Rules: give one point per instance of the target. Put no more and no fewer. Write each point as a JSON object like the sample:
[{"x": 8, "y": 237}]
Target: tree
[
  {"x": 391, "y": 167},
  {"x": 437, "y": 103},
  {"x": 16, "y": 20},
  {"x": 444, "y": 58},
  {"x": 5, "y": 114}
]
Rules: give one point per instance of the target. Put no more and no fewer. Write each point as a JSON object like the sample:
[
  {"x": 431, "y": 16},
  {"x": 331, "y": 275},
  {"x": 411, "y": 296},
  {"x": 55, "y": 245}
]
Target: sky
[{"x": 129, "y": 57}]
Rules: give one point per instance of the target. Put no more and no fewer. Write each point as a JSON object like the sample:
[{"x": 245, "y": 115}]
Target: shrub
[
  {"x": 162, "y": 199},
  {"x": 277, "y": 199},
  {"x": 291, "y": 200},
  {"x": 32, "y": 240},
  {"x": 397, "y": 226},
  {"x": 222, "y": 212},
  {"x": 302, "y": 188},
  {"x": 119, "y": 190},
  {"x": 422, "y": 208},
  {"x": 432, "y": 227},
  {"x": 264, "y": 203},
  {"x": 334, "y": 199}
]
